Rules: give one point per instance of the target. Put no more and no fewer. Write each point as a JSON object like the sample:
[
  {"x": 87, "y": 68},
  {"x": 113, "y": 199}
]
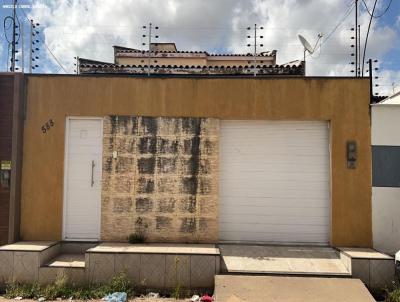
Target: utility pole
[
  {"x": 149, "y": 56},
  {"x": 359, "y": 50},
  {"x": 149, "y": 35},
  {"x": 32, "y": 48},
  {"x": 21, "y": 30},
  {"x": 371, "y": 92},
  {"x": 370, "y": 70},
  {"x": 255, "y": 46},
  {"x": 30, "y": 45},
  {"x": 13, "y": 38},
  {"x": 255, "y": 49},
  {"x": 356, "y": 44},
  {"x": 76, "y": 64}
]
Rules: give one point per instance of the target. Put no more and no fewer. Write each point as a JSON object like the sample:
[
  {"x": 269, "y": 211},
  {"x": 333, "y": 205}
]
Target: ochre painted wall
[{"x": 344, "y": 102}]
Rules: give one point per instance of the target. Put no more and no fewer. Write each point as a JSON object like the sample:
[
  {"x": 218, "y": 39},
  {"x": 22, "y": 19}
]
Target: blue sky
[
  {"x": 89, "y": 28},
  {"x": 391, "y": 59}
]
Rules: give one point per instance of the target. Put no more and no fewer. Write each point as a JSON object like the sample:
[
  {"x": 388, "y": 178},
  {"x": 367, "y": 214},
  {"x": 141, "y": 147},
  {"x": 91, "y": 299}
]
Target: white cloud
[
  {"x": 89, "y": 28},
  {"x": 389, "y": 82}
]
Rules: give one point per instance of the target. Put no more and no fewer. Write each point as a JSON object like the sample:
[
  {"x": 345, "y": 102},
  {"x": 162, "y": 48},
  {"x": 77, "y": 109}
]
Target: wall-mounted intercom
[
  {"x": 351, "y": 154},
  {"x": 5, "y": 174}
]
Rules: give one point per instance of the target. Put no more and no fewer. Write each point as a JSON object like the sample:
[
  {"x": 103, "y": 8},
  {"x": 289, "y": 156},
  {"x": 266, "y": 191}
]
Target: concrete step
[
  {"x": 234, "y": 288},
  {"x": 20, "y": 261},
  {"x": 282, "y": 260},
  {"x": 71, "y": 267},
  {"x": 68, "y": 260},
  {"x": 375, "y": 269}
]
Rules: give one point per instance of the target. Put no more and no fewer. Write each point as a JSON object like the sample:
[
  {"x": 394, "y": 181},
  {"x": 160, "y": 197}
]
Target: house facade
[
  {"x": 277, "y": 160},
  {"x": 168, "y": 54}
]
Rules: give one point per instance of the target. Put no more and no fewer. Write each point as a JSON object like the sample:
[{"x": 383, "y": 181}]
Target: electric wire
[
  {"x": 47, "y": 47},
  {"x": 372, "y": 14},
  {"x": 5, "y": 29},
  {"x": 350, "y": 6},
  {"x": 350, "y": 9},
  {"x": 366, "y": 38}
]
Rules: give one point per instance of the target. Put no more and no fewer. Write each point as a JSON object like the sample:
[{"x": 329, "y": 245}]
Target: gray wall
[{"x": 386, "y": 166}]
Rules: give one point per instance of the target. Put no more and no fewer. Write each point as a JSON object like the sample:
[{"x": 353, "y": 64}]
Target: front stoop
[
  {"x": 42, "y": 261},
  {"x": 20, "y": 262},
  {"x": 69, "y": 266},
  {"x": 164, "y": 266},
  {"x": 282, "y": 260},
  {"x": 375, "y": 269},
  {"x": 155, "y": 266}
]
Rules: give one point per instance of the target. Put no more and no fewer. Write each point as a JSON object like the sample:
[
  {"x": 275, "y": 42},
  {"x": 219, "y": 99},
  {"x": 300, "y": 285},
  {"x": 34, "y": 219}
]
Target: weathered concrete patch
[{"x": 162, "y": 172}]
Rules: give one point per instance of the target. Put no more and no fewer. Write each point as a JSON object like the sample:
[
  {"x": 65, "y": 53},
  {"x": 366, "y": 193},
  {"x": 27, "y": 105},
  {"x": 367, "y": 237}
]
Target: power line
[
  {"x": 47, "y": 47},
  {"x": 366, "y": 38},
  {"x": 338, "y": 25},
  {"x": 372, "y": 14},
  {"x": 55, "y": 58}
]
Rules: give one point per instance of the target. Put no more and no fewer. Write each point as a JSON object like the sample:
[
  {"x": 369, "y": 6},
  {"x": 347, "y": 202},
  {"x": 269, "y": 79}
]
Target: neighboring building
[
  {"x": 6, "y": 103},
  {"x": 11, "y": 100},
  {"x": 386, "y": 174},
  {"x": 164, "y": 58}
]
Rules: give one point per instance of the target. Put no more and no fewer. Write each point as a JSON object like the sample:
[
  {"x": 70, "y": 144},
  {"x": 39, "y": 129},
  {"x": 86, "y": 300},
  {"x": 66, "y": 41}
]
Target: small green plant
[
  {"x": 136, "y": 238},
  {"x": 57, "y": 289},
  {"x": 121, "y": 283},
  {"x": 62, "y": 289},
  {"x": 140, "y": 235},
  {"x": 177, "y": 290},
  {"x": 393, "y": 295},
  {"x": 26, "y": 291}
]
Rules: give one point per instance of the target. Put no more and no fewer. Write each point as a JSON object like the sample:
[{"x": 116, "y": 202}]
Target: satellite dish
[{"x": 307, "y": 46}]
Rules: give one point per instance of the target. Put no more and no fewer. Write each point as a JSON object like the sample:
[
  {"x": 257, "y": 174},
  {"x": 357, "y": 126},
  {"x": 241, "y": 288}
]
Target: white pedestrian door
[
  {"x": 83, "y": 172},
  {"x": 275, "y": 181}
]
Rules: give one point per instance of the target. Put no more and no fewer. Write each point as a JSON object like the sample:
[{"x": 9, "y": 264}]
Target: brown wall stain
[
  {"x": 344, "y": 102},
  {"x": 155, "y": 185}
]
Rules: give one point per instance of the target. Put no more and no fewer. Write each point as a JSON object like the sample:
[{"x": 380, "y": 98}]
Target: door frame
[{"x": 66, "y": 149}]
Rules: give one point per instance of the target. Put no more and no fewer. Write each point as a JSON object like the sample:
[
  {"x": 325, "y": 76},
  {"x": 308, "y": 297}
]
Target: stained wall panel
[{"x": 160, "y": 178}]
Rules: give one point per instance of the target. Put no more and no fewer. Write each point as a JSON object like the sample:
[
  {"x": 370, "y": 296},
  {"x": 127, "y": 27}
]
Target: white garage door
[{"x": 274, "y": 181}]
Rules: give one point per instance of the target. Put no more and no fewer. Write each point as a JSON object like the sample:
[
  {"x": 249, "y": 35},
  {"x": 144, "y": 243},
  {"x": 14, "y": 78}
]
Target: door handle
[{"x": 92, "y": 182}]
